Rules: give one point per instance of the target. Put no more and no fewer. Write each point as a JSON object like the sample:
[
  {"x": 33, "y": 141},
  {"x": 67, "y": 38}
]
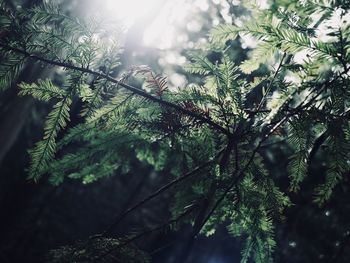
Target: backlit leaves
[{"x": 44, "y": 150}]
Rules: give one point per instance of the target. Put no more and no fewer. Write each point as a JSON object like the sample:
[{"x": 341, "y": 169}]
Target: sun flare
[{"x": 130, "y": 10}]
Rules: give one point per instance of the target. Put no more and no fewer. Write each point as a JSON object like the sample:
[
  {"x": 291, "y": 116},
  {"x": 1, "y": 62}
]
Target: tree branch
[
  {"x": 149, "y": 231},
  {"x": 120, "y": 83},
  {"x": 238, "y": 174},
  {"x": 271, "y": 82},
  {"x": 158, "y": 192}
]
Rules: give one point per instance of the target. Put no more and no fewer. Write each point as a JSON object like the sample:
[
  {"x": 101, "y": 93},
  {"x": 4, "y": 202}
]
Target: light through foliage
[{"x": 209, "y": 135}]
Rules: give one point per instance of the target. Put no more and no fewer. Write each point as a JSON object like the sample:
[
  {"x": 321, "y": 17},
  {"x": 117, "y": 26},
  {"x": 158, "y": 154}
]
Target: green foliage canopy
[{"x": 208, "y": 136}]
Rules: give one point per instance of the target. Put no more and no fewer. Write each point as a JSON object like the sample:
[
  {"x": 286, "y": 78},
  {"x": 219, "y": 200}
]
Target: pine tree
[{"x": 210, "y": 133}]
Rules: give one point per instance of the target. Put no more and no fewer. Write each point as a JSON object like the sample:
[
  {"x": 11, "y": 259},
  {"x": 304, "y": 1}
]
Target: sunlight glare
[
  {"x": 162, "y": 30},
  {"x": 164, "y": 20},
  {"x": 129, "y": 11}
]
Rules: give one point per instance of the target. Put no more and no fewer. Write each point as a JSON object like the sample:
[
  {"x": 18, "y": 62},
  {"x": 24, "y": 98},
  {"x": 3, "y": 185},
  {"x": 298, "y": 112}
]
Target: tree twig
[
  {"x": 149, "y": 231},
  {"x": 271, "y": 82},
  {"x": 158, "y": 192}
]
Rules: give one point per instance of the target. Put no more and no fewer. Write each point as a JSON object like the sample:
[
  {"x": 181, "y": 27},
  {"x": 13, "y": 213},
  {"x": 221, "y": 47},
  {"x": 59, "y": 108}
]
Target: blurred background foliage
[{"x": 36, "y": 218}]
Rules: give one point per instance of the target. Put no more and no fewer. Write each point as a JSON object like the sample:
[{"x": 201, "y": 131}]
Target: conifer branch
[
  {"x": 238, "y": 174},
  {"x": 234, "y": 185},
  {"x": 124, "y": 85}
]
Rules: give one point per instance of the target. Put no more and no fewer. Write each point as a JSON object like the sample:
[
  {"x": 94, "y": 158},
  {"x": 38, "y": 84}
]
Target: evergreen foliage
[{"x": 209, "y": 133}]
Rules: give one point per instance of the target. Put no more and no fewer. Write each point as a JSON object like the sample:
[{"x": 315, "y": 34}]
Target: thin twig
[
  {"x": 158, "y": 192},
  {"x": 271, "y": 82},
  {"x": 149, "y": 231}
]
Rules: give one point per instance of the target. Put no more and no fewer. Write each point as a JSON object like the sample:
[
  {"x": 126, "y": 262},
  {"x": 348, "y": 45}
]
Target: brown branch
[
  {"x": 120, "y": 83},
  {"x": 147, "y": 232},
  {"x": 158, "y": 192},
  {"x": 241, "y": 173},
  {"x": 168, "y": 223},
  {"x": 206, "y": 202}
]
